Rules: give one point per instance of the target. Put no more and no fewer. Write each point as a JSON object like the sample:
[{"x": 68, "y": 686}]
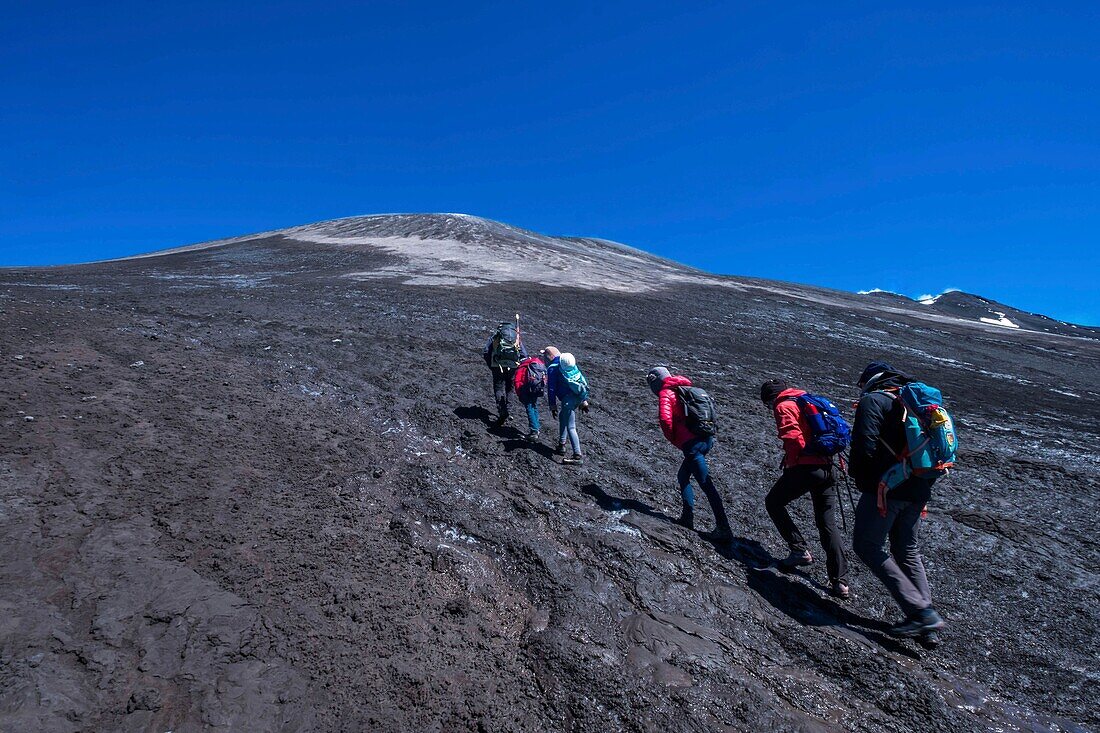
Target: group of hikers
[{"x": 901, "y": 441}]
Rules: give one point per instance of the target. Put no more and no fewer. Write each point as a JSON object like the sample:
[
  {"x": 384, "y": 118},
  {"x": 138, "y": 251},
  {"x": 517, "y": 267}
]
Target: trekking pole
[
  {"x": 847, "y": 485},
  {"x": 840, "y": 499}
]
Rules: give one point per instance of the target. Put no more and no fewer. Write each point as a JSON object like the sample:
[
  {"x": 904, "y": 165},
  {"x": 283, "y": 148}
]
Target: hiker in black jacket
[
  {"x": 878, "y": 439},
  {"x": 503, "y": 353}
]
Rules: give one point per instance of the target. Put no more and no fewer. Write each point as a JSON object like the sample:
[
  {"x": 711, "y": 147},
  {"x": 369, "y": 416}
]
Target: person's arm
[
  {"x": 787, "y": 423},
  {"x": 551, "y": 389},
  {"x": 865, "y": 435},
  {"x": 487, "y": 353},
  {"x": 666, "y": 410}
]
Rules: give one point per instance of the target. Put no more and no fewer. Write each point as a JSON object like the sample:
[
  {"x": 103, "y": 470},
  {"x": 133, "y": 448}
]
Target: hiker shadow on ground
[
  {"x": 793, "y": 598},
  {"x": 512, "y": 438},
  {"x": 610, "y": 503}
]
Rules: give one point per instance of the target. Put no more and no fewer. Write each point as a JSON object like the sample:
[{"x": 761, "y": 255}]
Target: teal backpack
[
  {"x": 574, "y": 381},
  {"x": 931, "y": 443}
]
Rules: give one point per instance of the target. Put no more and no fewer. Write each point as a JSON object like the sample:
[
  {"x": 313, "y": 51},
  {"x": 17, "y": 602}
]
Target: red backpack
[{"x": 530, "y": 377}]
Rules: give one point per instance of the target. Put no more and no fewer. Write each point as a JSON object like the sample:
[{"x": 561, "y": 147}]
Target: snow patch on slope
[{"x": 1000, "y": 320}]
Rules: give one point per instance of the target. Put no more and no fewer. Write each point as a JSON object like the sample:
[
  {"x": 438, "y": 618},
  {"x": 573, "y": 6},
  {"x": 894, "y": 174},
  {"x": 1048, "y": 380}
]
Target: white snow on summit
[{"x": 929, "y": 299}]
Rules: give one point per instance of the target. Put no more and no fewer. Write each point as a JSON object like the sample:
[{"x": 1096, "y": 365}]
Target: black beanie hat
[
  {"x": 875, "y": 367},
  {"x": 656, "y": 378},
  {"x": 770, "y": 389}
]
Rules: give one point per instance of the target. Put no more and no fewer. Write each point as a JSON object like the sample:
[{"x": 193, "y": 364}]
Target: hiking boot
[
  {"x": 841, "y": 590},
  {"x": 574, "y": 460},
  {"x": 929, "y": 639},
  {"x": 561, "y": 450},
  {"x": 919, "y": 624},
  {"x": 686, "y": 518},
  {"x": 717, "y": 536},
  {"x": 533, "y": 436},
  {"x": 501, "y": 419},
  {"x": 797, "y": 559}
]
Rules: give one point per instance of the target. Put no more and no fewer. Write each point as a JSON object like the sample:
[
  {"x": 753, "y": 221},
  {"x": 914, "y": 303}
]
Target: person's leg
[
  {"x": 869, "y": 543},
  {"x": 698, "y": 463},
  {"x": 826, "y": 501},
  {"x": 564, "y": 413},
  {"x": 905, "y": 547},
  {"x": 574, "y": 438},
  {"x": 532, "y": 407},
  {"x": 500, "y": 392},
  {"x": 791, "y": 485},
  {"x": 683, "y": 479}
]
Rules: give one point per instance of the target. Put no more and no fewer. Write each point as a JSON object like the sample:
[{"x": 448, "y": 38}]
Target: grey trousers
[{"x": 901, "y": 569}]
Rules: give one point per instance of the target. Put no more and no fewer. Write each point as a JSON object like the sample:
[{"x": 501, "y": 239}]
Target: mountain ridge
[
  {"x": 469, "y": 230},
  {"x": 966, "y": 305}
]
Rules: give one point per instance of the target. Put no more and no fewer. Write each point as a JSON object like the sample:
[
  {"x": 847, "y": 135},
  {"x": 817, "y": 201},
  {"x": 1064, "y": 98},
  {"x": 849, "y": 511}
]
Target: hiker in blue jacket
[{"x": 566, "y": 384}]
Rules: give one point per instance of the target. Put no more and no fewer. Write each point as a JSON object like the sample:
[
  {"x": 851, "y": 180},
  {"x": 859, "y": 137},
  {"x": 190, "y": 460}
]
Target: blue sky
[{"x": 911, "y": 149}]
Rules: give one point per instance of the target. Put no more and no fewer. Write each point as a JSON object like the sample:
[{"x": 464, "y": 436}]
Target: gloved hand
[
  {"x": 584, "y": 406},
  {"x": 554, "y": 412}
]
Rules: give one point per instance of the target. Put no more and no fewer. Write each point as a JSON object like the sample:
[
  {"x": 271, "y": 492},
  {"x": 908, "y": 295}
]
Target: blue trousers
[
  {"x": 567, "y": 425},
  {"x": 532, "y": 408},
  {"x": 695, "y": 466}
]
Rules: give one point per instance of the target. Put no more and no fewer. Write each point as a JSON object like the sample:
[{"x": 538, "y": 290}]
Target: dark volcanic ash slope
[{"x": 251, "y": 487}]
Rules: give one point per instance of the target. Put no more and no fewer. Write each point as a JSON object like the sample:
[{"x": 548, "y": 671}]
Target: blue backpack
[{"x": 829, "y": 432}]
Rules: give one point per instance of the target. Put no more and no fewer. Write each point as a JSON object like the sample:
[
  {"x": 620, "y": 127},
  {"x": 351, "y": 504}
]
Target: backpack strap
[{"x": 678, "y": 390}]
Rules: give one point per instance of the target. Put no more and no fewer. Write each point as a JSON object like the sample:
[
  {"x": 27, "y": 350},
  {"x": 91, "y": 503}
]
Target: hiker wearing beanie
[
  {"x": 503, "y": 353},
  {"x": 672, "y": 414},
  {"x": 877, "y": 441},
  {"x": 804, "y": 472},
  {"x": 566, "y": 384}
]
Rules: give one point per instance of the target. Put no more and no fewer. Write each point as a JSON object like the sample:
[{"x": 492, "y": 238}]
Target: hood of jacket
[
  {"x": 886, "y": 380},
  {"x": 789, "y": 393},
  {"x": 676, "y": 381}
]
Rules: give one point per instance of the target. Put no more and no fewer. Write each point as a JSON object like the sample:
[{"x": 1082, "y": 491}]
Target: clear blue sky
[{"x": 908, "y": 149}]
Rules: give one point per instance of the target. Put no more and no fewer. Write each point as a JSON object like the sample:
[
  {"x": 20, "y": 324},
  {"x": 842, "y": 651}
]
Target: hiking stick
[
  {"x": 840, "y": 503},
  {"x": 848, "y": 487}
]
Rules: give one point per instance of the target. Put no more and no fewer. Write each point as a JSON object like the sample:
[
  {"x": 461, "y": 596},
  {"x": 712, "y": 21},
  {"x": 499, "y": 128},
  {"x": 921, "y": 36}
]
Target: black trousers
[
  {"x": 818, "y": 482},
  {"x": 503, "y": 385}
]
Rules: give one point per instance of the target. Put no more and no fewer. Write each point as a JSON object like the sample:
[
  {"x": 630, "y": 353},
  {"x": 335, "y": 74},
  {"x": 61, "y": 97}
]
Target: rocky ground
[{"x": 242, "y": 491}]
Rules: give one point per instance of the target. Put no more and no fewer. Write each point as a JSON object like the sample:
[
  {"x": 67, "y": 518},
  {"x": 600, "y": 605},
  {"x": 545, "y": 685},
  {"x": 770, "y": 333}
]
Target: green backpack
[{"x": 506, "y": 354}]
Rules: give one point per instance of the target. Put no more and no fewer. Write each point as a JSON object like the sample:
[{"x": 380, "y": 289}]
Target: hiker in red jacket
[
  {"x": 530, "y": 384},
  {"x": 804, "y": 473},
  {"x": 672, "y": 417}
]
